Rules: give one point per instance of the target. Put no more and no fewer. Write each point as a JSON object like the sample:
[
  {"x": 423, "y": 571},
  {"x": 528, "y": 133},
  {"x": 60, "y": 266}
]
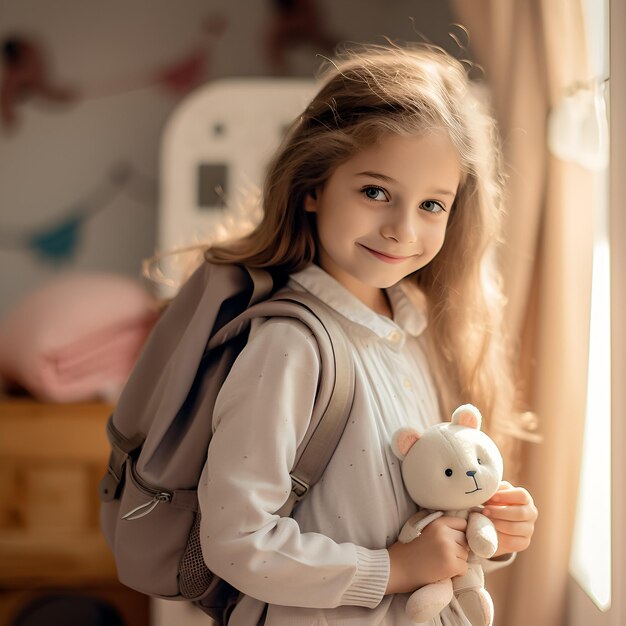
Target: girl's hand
[
  {"x": 513, "y": 513},
  {"x": 440, "y": 552}
]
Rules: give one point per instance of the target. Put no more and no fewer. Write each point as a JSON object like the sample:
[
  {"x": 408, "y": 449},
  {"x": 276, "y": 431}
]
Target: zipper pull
[{"x": 149, "y": 506}]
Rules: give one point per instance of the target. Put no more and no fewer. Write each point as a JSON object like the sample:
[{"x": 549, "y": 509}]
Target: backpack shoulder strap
[
  {"x": 326, "y": 432},
  {"x": 336, "y": 385}
]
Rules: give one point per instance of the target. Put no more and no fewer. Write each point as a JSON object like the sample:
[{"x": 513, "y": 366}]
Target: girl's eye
[
  {"x": 432, "y": 206},
  {"x": 374, "y": 193}
]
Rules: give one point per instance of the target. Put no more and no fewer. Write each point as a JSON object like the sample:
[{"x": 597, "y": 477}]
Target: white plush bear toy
[{"x": 451, "y": 469}]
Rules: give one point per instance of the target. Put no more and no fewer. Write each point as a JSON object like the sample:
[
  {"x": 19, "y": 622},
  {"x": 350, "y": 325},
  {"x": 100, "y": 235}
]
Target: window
[{"x": 591, "y": 554}]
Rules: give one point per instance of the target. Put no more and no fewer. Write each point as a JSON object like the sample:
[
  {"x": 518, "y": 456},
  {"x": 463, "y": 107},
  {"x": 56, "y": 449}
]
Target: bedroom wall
[{"x": 60, "y": 161}]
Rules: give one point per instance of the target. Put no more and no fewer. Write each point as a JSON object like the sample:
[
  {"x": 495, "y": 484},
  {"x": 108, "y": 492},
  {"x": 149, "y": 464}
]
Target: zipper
[
  {"x": 148, "y": 506},
  {"x": 157, "y": 496}
]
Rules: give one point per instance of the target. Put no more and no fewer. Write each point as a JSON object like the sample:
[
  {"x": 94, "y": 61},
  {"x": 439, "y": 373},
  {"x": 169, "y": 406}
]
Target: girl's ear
[
  {"x": 310, "y": 202},
  {"x": 467, "y": 415},
  {"x": 403, "y": 440}
]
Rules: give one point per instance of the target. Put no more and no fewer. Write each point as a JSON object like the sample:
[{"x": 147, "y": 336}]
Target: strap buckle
[
  {"x": 298, "y": 487},
  {"x": 109, "y": 486}
]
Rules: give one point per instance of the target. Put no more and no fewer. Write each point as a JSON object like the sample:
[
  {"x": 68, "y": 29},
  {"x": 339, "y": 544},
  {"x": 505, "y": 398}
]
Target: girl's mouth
[{"x": 386, "y": 258}]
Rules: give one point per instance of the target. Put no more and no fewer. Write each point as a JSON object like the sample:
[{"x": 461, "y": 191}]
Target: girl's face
[{"x": 382, "y": 214}]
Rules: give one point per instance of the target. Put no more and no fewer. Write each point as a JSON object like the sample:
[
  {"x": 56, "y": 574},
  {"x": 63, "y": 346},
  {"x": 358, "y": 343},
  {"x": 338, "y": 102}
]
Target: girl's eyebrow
[{"x": 388, "y": 179}]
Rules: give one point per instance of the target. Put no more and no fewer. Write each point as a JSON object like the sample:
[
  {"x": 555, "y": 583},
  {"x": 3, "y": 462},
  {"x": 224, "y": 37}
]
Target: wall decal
[
  {"x": 293, "y": 23},
  {"x": 25, "y": 76}
]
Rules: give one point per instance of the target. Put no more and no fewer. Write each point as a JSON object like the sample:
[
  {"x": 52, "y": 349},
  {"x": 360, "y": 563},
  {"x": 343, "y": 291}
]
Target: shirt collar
[{"x": 408, "y": 303}]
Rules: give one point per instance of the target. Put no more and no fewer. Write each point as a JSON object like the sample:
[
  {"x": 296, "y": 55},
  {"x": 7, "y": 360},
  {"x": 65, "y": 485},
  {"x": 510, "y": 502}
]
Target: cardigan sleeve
[{"x": 261, "y": 415}]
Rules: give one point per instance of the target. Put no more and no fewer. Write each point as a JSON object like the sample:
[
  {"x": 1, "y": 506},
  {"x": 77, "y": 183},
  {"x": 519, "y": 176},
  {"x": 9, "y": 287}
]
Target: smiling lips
[{"x": 387, "y": 258}]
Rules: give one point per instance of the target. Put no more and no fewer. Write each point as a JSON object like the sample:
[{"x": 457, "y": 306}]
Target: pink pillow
[{"x": 77, "y": 337}]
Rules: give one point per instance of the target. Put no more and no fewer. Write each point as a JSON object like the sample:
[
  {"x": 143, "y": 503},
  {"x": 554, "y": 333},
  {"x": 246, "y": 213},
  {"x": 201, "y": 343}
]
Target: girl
[{"x": 384, "y": 202}]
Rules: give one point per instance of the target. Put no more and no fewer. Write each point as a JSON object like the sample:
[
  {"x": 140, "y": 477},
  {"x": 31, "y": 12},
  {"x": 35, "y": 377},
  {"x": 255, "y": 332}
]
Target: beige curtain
[{"x": 531, "y": 51}]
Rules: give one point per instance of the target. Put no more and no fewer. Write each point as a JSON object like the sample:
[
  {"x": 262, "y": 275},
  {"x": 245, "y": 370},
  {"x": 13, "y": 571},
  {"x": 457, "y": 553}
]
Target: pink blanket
[{"x": 77, "y": 338}]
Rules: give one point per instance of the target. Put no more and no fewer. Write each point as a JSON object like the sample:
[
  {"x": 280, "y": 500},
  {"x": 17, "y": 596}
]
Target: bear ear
[
  {"x": 403, "y": 441},
  {"x": 467, "y": 415}
]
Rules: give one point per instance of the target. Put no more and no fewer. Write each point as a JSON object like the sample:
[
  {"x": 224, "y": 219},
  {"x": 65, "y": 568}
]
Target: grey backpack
[{"x": 162, "y": 425}]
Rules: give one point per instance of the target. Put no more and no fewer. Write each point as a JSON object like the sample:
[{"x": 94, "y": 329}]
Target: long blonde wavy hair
[{"x": 365, "y": 93}]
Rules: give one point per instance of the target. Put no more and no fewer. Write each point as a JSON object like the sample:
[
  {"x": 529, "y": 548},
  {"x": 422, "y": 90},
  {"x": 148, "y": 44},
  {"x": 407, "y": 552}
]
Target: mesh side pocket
[{"x": 194, "y": 577}]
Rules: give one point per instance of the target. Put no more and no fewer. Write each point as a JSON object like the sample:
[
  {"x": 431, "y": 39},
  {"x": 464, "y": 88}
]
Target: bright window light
[{"x": 591, "y": 556}]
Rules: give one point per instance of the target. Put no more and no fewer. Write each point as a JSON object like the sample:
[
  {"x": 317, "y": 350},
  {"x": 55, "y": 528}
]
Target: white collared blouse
[{"x": 328, "y": 563}]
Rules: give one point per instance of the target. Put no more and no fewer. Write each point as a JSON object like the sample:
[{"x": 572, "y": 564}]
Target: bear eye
[
  {"x": 448, "y": 472},
  {"x": 479, "y": 463}
]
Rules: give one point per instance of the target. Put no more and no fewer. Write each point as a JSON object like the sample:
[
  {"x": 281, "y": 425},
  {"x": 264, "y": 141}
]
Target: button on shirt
[{"x": 328, "y": 564}]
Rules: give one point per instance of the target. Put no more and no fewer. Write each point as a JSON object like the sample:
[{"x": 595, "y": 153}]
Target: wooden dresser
[{"x": 52, "y": 457}]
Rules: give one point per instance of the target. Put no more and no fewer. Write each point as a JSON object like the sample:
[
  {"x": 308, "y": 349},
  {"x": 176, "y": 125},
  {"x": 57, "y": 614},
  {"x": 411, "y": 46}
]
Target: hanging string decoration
[
  {"x": 177, "y": 77},
  {"x": 59, "y": 241},
  {"x": 26, "y": 73}
]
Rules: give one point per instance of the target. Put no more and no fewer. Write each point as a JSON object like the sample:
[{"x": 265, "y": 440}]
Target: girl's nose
[{"x": 402, "y": 227}]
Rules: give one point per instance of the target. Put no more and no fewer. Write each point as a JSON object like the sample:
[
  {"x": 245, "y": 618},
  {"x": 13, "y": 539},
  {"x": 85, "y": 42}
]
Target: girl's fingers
[
  {"x": 519, "y": 513},
  {"x": 513, "y": 543},
  {"x": 514, "y": 529},
  {"x": 513, "y": 513},
  {"x": 515, "y": 495},
  {"x": 462, "y": 551}
]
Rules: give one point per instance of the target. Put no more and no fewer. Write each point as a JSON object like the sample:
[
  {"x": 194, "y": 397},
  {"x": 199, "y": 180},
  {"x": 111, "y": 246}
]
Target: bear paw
[{"x": 428, "y": 601}]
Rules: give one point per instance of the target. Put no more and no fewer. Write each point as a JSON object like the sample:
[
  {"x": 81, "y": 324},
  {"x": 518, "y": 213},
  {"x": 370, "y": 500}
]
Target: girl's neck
[{"x": 381, "y": 304}]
